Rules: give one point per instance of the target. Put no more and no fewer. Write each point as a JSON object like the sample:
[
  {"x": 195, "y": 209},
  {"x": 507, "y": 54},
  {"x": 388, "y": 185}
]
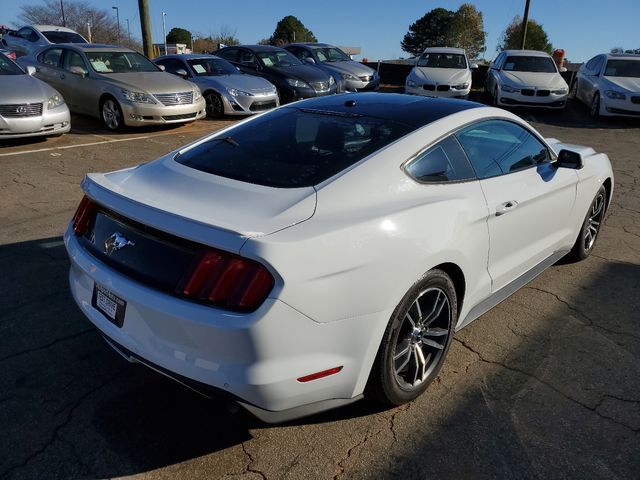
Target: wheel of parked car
[
  {"x": 416, "y": 340},
  {"x": 590, "y": 227},
  {"x": 112, "y": 114},
  {"x": 573, "y": 94},
  {"x": 595, "y": 106},
  {"x": 215, "y": 109},
  {"x": 494, "y": 97}
]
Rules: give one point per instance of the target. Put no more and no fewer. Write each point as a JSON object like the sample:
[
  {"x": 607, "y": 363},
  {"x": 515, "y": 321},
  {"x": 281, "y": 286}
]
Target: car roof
[
  {"x": 188, "y": 56},
  {"x": 255, "y": 48},
  {"x": 444, "y": 50},
  {"x": 526, "y": 53},
  {"x": 309, "y": 44},
  {"x": 51, "y": 28},
  {"x": 87, "y": 47},
  {"x": 634, "y": 56},
  {"x": 410, "y": 110}
]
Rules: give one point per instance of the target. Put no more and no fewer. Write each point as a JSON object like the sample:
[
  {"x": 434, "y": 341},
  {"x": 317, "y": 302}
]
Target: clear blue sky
[{"x": 582, "y": 27}]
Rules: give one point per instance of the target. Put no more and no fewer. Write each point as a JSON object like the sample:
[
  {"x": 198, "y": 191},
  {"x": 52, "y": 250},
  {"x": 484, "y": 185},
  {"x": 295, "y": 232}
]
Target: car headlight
[
  {"x": 508, "y": 89},
  {"x": 331, "y": 80},
  {"x": 615, "y": 95},
  {"x": 239, "y": 93},
  {"x": 297, "y": 83},
  {"x": 137, "y": 97},
  {"x": 461, "y": 86},
  {"x": 55, "y": 101},
  {"x": 560, "y": 91},
  {"x": 411, "y": 83},
  {"x": 348, "y": 76},
  {"x": 197, "y": 94}
]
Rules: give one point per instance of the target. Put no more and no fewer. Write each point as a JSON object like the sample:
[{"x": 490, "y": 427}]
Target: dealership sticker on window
[
  {"x": 199, "y": 68},
  {"x": 101, "y": 67}
]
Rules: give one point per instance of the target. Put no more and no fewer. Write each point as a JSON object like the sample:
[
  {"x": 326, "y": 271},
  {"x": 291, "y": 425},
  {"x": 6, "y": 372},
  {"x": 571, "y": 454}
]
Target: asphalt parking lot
[{"x": 546, "y": 385}]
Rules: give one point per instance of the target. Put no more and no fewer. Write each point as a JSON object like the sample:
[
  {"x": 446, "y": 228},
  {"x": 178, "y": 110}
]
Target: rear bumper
[
  {"x": 254, "y": 358},
  {"x": 136, "y": 115},
  {"x": 52, "y": 122}
]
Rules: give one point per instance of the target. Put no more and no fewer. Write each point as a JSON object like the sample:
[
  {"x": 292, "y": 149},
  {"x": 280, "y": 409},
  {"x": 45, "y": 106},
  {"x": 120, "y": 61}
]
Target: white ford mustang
[{"x": 330, "y": 248}]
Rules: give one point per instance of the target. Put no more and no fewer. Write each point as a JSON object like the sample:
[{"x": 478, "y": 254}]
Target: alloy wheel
[
  {"x": 214, "y": 105},
  {"x": 111, "y": 114},
  {"x": 596, "y": 213}
]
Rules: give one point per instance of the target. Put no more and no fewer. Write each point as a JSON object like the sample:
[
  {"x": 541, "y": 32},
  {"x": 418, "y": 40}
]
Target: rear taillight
[
  {"x": 84, "y": 215},
  {"x": 226, "y": 280}
]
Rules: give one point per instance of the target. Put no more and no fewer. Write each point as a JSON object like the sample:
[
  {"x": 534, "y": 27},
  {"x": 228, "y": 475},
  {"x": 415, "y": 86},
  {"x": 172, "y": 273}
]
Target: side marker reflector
[{"x": 322, "y": 374}]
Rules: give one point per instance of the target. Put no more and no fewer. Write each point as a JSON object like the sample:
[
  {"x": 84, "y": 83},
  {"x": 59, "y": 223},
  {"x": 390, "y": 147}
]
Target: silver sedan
[
  {"x": 29, "y": 107},
  {"x": 225, "y": 88}
]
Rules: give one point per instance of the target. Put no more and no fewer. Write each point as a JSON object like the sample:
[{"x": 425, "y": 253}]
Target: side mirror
[
  {"x": 182, "y": 72},
  {"x": 562, "y": 69},
  {"x": 76, "y": 70},
  {"x": 569, "y": 159},
  {"x": 473, "y": 66},
  {"x": 309, "y": 60},
  {"x": 161, "y": 67},
  {"x": 31, "y": 70}
]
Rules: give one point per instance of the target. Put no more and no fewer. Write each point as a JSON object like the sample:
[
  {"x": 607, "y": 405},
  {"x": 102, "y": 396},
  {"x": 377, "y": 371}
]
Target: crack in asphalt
[
  {"x": 593, "y": 409},
  {"x": 55, "y": 436},
  {"x": 340, "y": 465},
  {"x": 48, "y": 345},
  {"x": 248, "y": 468}
]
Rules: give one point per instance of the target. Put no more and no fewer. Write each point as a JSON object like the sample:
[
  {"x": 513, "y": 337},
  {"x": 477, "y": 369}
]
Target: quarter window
[
  {"x": 443, "y": 162},
  {"x": 230, "y": 54},
  {"x": 498, "y": 147},
  {"x": 51, "y": 57}
]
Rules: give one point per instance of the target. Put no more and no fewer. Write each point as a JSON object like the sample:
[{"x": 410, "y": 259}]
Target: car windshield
[
  {"x": 120, "y": 62},
  {"x": 292, "y": 148},
  {"x": 7, "y": 67},
  {"x": 442, "y": 60},
  {"x": 520, "y": 63},
  {"x": 64, "y": 37},
  {"x": 277, "y": 58},
  {"x": 208, "y": 67},
  {"x": 331, "y": 54},
  {"x": 622, "y": 68}
]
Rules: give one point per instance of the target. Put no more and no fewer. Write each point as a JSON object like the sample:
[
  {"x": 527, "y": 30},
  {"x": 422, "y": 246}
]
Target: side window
[
  {"x": 30, "y": 35},
  {"x": 597, "y": 66},
  {"x": 443, "y": 162},
  {"x": 498, "y": 147},
  {"x": 496, "y": 63},
  {"x": 591, "y": 63},
  {"x": 296, "y": 51},
  {"x": 172, "y": 65},
  {"x": 51, "y": 57},
  {"x": 246, "y": 58},
  {"x": 230, "y": 54},
  {"x": 74, "y": 59}
]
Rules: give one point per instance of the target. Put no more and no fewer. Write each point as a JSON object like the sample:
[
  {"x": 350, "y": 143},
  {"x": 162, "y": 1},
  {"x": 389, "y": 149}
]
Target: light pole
[
  {"x": 525, "y": 23},
  {"x": 118, "y": 20},
  {"x": 64, "y": 21},
  {"x": 164, "y": 32},
  {"x": 128, "y": 31}
]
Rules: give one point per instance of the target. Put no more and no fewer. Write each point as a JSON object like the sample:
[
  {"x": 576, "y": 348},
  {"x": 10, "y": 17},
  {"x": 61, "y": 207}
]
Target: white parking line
[{"x": 116, "y": 140}]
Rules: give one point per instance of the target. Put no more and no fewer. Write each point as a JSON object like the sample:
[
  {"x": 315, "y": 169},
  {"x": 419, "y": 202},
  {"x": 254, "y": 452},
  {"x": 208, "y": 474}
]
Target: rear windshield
[
  {"x": 292, "y": 148},
  {"x": 64, "y": 37},
  {"x": 520, "y": 63}
]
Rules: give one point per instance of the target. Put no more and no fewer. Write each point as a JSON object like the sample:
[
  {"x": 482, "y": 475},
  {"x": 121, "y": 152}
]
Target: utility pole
[
  {"x": 64, "y": 22},
  {"x": 525, "y": 22},
  {"x": 118, "y": 20},
  {"x": 145, "y": 27},
  {"x": 89, "y": 31},
  {"x": 164, "y": 32},
  {"x": 128, "y": 31}
]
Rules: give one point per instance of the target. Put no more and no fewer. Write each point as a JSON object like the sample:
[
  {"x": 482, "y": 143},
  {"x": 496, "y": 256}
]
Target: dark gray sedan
[
  {"x": 350, "y": 75},
  {"x": 225, "y": 88}
]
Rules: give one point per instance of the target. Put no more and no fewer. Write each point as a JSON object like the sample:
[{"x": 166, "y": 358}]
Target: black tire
[
  {"x": 594, "y": 110},
  {"x": 215, "y": 108},
  {"x": 494, "y": 98},
  {"x": 111, "y": 114},
  {"x": 398, "y": 377},
  {"x": 573, "y": 93},
  {"x": 590, "y": 229}
]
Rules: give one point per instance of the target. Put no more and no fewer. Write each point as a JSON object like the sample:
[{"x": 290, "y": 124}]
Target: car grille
[
  {"x": 635, "y": 99},
  {"x": 542, "y": 93},
  {"x": 443, "y": 88},
  {"x": 365, "y": 78},
  {"x": 431, "y": 88},
  {"x": 260, "y": 106},
  {"x": 181, "y": 98},
  {"x": 185, "y": 116},
  {"x": 21, "y": 110},
  {"x": 528, "y": 92},
  {"x": 320, "y": 86}
]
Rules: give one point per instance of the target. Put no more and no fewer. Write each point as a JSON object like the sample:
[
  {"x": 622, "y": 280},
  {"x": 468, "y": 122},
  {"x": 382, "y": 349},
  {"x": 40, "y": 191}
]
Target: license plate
[{"x": 109, "y": 304}]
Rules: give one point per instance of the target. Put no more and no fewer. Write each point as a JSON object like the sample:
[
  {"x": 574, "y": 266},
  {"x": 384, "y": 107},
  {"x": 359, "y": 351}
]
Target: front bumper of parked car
[
  {"x": 257, "y": 359},
  {"x": 292, "y": 94},
  {"x": 532, "y": 97},
  {"x": 627, "y": 107},
  {"x": 52, "y": 122},
  {"x": 372, "y": 84},
  {"x": 139, "y": 114},
  {"x": 432, "y": 90},
  {"x": 248, "y": 105}
]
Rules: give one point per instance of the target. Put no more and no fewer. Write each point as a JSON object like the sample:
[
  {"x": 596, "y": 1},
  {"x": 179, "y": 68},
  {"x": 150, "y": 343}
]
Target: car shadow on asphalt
[{"x": 72, "y": 407}]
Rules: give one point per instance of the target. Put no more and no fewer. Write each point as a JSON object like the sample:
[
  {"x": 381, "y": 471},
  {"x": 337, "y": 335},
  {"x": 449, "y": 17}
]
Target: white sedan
[
  {"x": 609, "y": 84},
  {"x": 441, "y": 72},
  {"x": 330, "y": 248},
  {"x": 526, "y": 78}
]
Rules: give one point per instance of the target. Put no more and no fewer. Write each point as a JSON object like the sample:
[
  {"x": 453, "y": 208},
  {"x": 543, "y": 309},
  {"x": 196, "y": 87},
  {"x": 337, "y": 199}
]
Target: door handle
[{"x": 506, "y": 207}]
